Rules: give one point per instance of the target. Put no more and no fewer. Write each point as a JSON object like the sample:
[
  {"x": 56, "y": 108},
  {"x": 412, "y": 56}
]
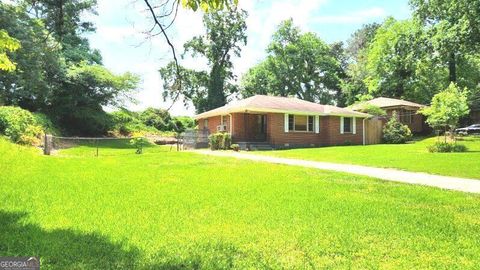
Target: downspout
[
  {"x": 231, "y": 124},
  {"x": 363, "y": 129}
]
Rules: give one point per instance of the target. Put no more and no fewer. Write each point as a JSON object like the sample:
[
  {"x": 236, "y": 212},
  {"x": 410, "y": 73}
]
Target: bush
[
  {"x": 396, "y": 132},
  {"x": 126, "y": 123},
  {"x": 445, "y": 147},
  {"x": 48, "y": 126},
  {"x": 20, "y": 126},
  {"x": 139, "y": 143},
  {"x": 235, "y": 147},
  {"x": 220, "y": 141}
]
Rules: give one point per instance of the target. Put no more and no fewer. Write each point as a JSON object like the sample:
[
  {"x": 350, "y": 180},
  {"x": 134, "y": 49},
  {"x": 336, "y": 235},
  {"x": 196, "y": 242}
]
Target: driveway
[{"x": 444, "y": 182}]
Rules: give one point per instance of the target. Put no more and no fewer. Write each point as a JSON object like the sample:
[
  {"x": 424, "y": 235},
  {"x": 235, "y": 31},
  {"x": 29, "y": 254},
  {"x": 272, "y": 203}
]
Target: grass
[
  {"x": 412, "y": 157},
  {"x": 170, "y": 210}
]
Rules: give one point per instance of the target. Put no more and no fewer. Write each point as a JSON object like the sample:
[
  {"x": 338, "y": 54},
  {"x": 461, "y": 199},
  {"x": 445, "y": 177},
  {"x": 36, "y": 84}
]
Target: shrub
[
  {"x": 20, "y": 126},
  {"x": 445, "y": 147},
  {"x": 126, "y": 123},
  {"x": 220, "y": 141},
  {"x": 139, "y": 143},
  {"x": 48, "y": 126},
  {"x": 396, "y": 132},
  {"x": 235, "y": 147}
]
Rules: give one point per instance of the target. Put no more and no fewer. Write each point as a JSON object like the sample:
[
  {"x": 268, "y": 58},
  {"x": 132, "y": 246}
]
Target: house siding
[{"x": 329, "y": 133}]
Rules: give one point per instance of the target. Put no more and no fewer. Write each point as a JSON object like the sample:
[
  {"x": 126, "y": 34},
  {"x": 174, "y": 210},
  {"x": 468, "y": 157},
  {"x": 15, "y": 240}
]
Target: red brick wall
[
  {"x": 213, "y": 122},
  {"x": 329, "y": 130}
]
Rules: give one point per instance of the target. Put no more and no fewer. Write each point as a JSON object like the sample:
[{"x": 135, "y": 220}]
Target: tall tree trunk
[
  {"x": 216, "y": 95},
  {"x": 60, "y": 19},
  {"x": 452, "y": 67}
]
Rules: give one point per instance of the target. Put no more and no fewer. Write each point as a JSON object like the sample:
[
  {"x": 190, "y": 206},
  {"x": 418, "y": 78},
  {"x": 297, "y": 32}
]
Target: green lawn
[
  {"x": 169, "y": 210},
  {"x": 411, "y": 157}
]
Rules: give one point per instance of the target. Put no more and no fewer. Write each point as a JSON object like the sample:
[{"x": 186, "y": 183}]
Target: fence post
[{"x": 47, "y": 144}]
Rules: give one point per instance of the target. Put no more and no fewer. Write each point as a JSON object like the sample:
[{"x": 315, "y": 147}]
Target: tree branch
[{"x": 177, "y": 66}]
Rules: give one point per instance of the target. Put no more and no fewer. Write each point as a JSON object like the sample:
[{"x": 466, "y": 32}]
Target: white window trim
[
  {"x": 285, "y": 123},
  {"x": 315, "y": 124},
  {"x": 353, "y": 124},
  {"x": 341, "y": 125}
]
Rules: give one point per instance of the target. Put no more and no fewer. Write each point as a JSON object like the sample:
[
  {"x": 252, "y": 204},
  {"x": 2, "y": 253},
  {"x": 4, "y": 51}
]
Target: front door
[{"x": 260, "y": 133}]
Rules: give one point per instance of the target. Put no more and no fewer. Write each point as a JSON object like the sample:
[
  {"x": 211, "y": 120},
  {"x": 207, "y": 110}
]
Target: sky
[{"x": 122, "y": 40}]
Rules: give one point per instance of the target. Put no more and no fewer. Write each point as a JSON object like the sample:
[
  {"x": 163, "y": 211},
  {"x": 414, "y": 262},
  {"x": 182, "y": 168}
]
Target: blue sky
[{"x": 121, "y": 38}]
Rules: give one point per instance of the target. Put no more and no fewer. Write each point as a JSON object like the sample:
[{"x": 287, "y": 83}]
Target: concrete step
[{"x": 253, "y": 146}]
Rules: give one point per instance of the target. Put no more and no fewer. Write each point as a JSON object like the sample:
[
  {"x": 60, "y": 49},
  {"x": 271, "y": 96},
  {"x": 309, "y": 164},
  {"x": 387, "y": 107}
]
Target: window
[
  {"x": 310, "y": 123},
  {"x": 406, "y": 116},
  {"x": 290, "y": 122},
  {"x": 301, "y": 123},
  {"x": 347, "y": 125},
  {"x": 223, "y": 120},
  {"x": 205, "y": 124}
]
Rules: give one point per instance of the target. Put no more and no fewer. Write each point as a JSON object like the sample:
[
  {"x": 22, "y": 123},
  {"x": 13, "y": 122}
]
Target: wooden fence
[{"x": 373, "y": 130}]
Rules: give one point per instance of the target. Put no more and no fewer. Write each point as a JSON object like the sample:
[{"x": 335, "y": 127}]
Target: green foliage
[
  {"x": 446, "y": 147},
  {"x": 46, "y": 123},
  {"x": 126, "y": 123},
  {"x": 87, "y": 89},
  {"x": 396, "y": 132},
  {"x": 150, "y": 121},
  {"x": 209, "y": 5},
  {"x": 20, "y": 126},
  {"x": 157, "y": 118},
  {"x": 447, "y": 107},
  {"x": 235, "y": 147},
  {"x": 453, "y": 29},
  {"x": 353, "y": 85},
  {"x": 225, "y": 33},
  {"x": 7, "y": 44},
  {"x": 183, "y": 123},
  {"x": 398, "y": 63},
  {"x": 298, "y": 64},
  {"x": 139, "y": 143},
  {"x": 220, "y": 141}
]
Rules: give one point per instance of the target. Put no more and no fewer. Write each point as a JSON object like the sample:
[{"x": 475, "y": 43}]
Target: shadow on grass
[
  {"x": 69, "y": 249},
  {"x": 62, "y": 249}
]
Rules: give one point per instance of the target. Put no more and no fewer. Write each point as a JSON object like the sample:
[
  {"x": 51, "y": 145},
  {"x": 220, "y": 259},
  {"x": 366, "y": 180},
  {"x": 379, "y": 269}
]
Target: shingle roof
[
  {"x": 384, "y": 102},
  {"x": 262, "y": 103}
]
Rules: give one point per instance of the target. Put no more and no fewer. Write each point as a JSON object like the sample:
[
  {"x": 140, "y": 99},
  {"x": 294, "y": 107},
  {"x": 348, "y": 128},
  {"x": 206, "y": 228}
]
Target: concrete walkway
[{"x": 445, "y": 182}]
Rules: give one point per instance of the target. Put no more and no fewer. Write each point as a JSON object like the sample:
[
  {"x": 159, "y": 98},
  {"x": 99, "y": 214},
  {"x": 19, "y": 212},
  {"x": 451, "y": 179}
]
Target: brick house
[
  {"x": 407, "y": 112},
  {"x": 285, "y": 122}
]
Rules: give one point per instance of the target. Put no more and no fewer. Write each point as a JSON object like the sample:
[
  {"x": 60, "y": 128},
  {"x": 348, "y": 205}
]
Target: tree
[
  {"x": 298, "y": 64},
  {"x": 360, "y": 40},
  {"x": 453, "y": 27},
  {"x": 88, "y": 88},
  {"x": 39, "y": 64},
  {"x": 353, "y": 85},
  {"x": 7, "y": 44},
  {"x": 157, "y": 118},
  {"x": 396, "y": 132},
  {"x": 446, "y": 109},
  {"x": 222, "y": 41},
  {"x": 400, "y": 63},
  {"x": 64, "y": 20}
]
